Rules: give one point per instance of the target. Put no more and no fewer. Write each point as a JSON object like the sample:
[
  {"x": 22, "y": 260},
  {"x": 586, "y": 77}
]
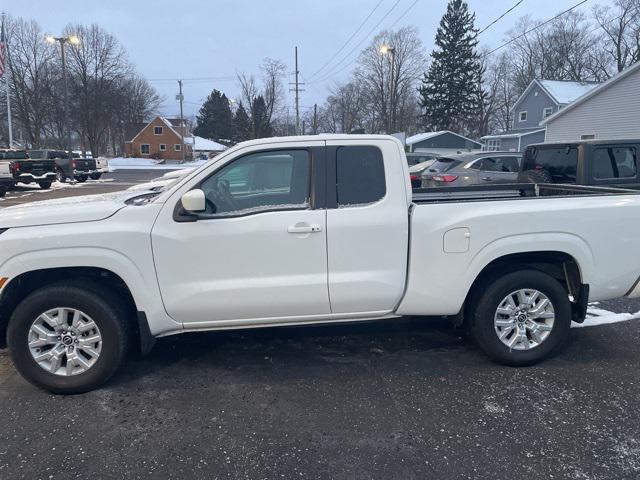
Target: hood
[{"x": 88, "y": 208}]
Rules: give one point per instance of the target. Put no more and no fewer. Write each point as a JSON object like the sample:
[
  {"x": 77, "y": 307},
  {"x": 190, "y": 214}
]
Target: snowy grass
[{"x": 121, "y": 163}]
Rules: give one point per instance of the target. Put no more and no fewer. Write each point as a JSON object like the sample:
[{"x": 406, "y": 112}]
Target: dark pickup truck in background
[
  {"x": 593, "y": 162},
  {"x": 79, "y": 169},
  {"x": 25, "y": 170}
]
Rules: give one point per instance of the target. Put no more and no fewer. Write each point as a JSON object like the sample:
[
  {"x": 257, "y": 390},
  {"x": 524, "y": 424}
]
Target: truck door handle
[
  {"x": 486, "y": 179},
  {"x": 304, "y": 229}
]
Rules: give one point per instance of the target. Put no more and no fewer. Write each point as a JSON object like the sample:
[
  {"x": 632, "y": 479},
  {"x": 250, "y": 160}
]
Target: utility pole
[
  {"x": 304, "y": 127},
  {"x": 182, "y": 127},
  {"x": 315, "y": 118},
  {"x": 297, "y": 90},
  {"x": 6, "y": 78}
]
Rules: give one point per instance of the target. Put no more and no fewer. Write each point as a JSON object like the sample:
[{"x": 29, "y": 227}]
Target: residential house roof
[
  {"x": 204, "y": 144},
  {"x": 421, "y": 137},
  {"x": 562, "y": 92},
  {"x": 593, "y": 92},
  {"x": 513, "y": 134}
]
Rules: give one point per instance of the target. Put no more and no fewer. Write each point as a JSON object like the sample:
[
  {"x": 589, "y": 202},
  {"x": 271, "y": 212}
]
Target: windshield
[{"x": 15, "y": 155}]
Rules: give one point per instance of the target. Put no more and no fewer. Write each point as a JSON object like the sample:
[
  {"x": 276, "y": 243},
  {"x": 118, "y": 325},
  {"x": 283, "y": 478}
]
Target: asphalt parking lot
[{"x": 410, "y": 398}]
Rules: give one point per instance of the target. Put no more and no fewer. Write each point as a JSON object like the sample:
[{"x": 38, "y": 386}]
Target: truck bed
[{"x": 512, "y": 191}]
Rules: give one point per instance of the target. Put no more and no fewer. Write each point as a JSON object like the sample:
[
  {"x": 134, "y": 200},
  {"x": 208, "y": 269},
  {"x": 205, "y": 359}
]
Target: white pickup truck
[
  {"x": 304, "y": 230},
  {"x": 6, "y": 177}
]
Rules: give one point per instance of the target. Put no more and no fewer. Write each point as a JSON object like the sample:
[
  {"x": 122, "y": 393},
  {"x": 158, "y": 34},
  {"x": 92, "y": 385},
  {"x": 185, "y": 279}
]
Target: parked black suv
[
  {"x": 593, "y": 162},
  {"x": 79, "y": 169},
  {"x": 25, "y": 170}
]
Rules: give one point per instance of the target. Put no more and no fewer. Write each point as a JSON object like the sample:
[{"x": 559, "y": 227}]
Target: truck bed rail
[{"x": 510, "y": 191}]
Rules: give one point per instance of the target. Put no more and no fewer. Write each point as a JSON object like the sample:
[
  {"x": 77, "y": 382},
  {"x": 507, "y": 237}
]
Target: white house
[{"x": 611, "y": 111}]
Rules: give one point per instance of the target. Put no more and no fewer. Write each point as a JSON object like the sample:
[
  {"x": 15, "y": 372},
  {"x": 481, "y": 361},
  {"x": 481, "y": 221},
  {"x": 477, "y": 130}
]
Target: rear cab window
[
  {"x": 561, "y": 162},
  {"x": 360, "y": 177}
]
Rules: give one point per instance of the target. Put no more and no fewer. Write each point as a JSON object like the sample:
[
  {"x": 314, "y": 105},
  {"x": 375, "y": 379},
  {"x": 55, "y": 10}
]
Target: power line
[
  {"x": 366, "y": 37},
  {"x": 349, "y": 40},
  {"x": 192, "y": 79},
  {"x": 403, "y": 14},
  {"x": 500, "y": 17},
  {"x": 534, "y": 28}
]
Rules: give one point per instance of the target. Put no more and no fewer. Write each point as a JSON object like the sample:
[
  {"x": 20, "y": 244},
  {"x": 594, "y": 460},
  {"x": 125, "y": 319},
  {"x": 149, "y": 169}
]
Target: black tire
[
  {"x": 101, "y": 305},
  {"x": 45, "y": 185},
  {"x": 488, "y": 301},
  {"x": 60, "y": 175},
  {"x": 3, "y": 191},
  {"x": 82, "y": 178},
  {"x": 95, "y": 176}
]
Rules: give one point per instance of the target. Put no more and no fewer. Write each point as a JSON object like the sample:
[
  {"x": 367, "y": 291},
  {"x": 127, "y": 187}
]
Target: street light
[
  {"x": 73, "y": 40},
  {"x": 391, "y": 51}
]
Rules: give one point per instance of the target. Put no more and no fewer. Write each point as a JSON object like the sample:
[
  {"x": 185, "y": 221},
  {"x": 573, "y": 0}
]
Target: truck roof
[
  {"x": 599, "y": 141},
  {"x": 322, "y": 136}
]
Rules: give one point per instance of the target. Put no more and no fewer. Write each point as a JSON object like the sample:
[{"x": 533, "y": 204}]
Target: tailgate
[
  {"x": 37, "y": 167},
  {"x": 84, "y": 164}
]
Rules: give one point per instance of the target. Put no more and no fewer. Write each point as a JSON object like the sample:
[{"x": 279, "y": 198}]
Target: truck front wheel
[
  {"x": 522, "y": 317},
  {"x": 68, "y": 338}
]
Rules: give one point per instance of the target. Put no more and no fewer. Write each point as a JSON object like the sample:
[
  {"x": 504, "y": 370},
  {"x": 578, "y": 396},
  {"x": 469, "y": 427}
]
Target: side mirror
[{"x": 194, "y": 201}]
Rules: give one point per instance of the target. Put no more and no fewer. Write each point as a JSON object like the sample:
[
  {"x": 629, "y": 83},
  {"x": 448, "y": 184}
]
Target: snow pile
[
  {"x": 120, "y": 163},
  {"x": 599, "y": 316}
]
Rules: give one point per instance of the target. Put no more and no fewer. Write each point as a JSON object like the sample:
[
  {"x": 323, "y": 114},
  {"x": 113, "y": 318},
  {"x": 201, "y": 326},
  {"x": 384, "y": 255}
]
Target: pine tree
[
  {"x": 241, "y": 125},
  {"x": 449, "y": 90},
  {"x": 214, "y": 120},
  {"x": 261, "y": 125}
]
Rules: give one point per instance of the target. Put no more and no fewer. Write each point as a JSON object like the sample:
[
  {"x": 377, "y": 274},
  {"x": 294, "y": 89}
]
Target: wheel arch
[
  {"x": 25, "y": 283},
  {"x": 560, "y": 265}
]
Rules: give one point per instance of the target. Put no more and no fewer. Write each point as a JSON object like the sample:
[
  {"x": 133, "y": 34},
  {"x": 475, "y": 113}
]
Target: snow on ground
[
  {"x": 120, "y": 163},
  {"x": 598, "y": 316}
]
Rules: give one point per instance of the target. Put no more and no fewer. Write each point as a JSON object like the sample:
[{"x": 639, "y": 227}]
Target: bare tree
[
  {"x": 390, "y": 79},
  {"x": 273, "y": 72},
  {"x": 30, "y": 64},
  {"x": 98, "y": 68},
  {"x": 620, "y": 27}
]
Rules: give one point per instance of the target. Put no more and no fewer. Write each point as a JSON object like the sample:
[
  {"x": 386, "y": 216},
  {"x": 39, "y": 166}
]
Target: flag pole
[{"x": 6, "y": 79}]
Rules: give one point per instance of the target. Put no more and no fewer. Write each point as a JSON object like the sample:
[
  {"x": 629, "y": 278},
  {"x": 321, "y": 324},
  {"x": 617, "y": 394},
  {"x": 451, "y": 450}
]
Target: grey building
[
  {"x": 443, "y": 142},
  {"x": 540, "y": 100},
  {"x": 610, "y": 111}
]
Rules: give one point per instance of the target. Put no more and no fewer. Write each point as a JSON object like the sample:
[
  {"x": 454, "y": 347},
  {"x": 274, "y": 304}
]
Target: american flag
[{"x": 3, "y": 49}]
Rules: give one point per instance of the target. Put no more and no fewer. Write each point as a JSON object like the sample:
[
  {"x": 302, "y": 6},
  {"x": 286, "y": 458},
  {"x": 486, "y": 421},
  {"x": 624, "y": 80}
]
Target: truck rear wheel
[
  {"x": 96, "y": 176},
  {"x": 3, "y": 191},
  {"x": 60, "y": 175},
  {"x": 82, "y": 178},
  {"x": 45, "y": 185},
  {"x": 522, "y": 317},
  {"x": 68, "y": 338}
]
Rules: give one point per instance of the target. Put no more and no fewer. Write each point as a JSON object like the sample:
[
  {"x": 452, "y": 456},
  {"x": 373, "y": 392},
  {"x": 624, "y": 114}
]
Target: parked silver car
[{"x": 473, "y": 169}]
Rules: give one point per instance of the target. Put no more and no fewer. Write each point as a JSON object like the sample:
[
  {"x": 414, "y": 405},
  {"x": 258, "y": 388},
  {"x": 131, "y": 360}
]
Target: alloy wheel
[
  {"x": 524, "y": 319},
  {"x": 65, "y": 341}
]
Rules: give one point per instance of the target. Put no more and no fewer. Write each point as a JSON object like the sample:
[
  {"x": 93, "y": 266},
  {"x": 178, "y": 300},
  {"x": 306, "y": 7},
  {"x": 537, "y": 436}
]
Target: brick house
[{"x": 161, "y": 139}]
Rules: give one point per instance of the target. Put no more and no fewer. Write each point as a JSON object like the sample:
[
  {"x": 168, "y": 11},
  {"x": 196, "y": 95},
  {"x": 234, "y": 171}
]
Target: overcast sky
[{"x": 199, "y": 39}]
